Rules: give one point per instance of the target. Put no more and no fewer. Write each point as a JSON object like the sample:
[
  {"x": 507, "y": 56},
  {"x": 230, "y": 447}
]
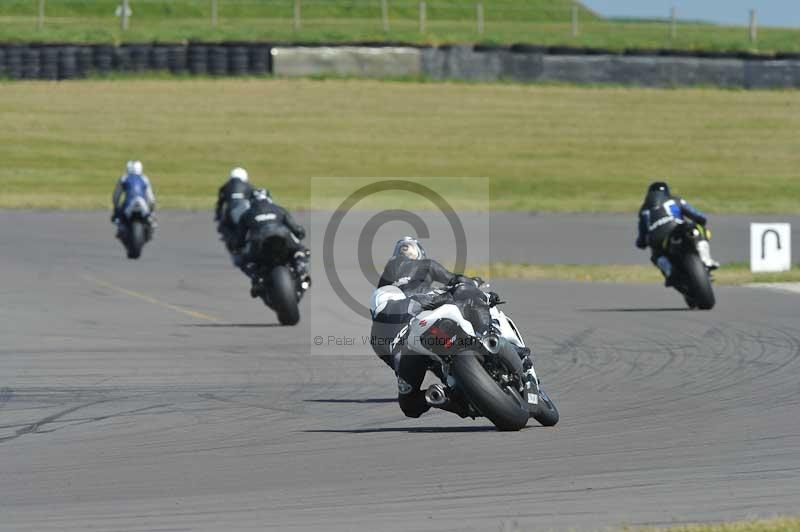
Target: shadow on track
[
  {"x": 232, "y": 325},
  {"x": 410, "y": 430},
  {"x": 676, "y": 309},
  {"x": 353, "y": 401}
]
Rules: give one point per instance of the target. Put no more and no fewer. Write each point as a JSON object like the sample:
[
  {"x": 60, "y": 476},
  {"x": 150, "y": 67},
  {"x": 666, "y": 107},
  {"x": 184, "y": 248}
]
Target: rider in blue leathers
[
  {"x": 659, "y": 214},
  {"x": 133, "y": 188}
]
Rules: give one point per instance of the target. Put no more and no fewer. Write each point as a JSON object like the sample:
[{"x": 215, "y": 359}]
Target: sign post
[{"x": 770, "y": 247}]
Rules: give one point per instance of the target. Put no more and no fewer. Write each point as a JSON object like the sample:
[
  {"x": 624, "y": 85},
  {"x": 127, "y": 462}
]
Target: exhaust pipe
[
  {"x": 491, "y": 343},
  {"x": 502, "y": 348},
  {"x": 435, "y": 395}
]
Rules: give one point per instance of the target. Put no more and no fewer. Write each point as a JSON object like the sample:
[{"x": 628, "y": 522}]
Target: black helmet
[
  {"x": 657, "y": 193},
  {"x": 260, "y": 194}
]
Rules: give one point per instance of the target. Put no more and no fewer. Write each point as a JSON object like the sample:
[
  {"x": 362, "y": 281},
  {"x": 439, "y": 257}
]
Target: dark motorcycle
[
  {"x": 280, "y": 285},
  {"x": 488, "y": 376},
  {"x": 691, "y": 277},
  {"x": 134, "y": 229}
]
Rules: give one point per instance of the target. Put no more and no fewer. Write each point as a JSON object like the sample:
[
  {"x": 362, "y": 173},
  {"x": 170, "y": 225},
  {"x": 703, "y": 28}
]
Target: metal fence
[{"x": 542, "y": 21}]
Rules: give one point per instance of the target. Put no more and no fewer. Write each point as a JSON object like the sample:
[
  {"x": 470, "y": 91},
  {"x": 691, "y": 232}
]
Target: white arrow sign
[{"x": 770, "y": 247}]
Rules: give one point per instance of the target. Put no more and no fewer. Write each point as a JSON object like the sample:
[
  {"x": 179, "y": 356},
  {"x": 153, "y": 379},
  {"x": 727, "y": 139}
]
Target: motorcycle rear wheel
[
  {"x": 700, "y": 291},
  {"x": 283, "y": 296},
  {"x": 504, "y": 407}
]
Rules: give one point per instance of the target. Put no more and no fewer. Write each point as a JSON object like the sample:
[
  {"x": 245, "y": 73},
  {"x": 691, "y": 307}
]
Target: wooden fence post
[
  {"x": 123, "y": 17},
  {"x": 574, "y": 20}
]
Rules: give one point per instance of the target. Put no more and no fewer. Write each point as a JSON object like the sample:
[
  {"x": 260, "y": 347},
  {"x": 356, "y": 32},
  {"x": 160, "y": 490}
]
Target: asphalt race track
[{"x": 155, "y": 395}]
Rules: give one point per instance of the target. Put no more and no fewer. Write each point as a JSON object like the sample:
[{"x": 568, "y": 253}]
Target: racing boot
[
  {"x": 704, "y": 250},
  {"x": 665, "y": 266},
  {"x": 256, "y": 285}
]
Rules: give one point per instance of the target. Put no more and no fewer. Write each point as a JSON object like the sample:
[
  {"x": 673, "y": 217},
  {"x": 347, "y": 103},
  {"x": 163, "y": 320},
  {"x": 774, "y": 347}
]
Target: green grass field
[
  {"x": 544, "y": 148},
  {"x": 728, "y": 274},
  {"x": 546, "y": 22},
  {"x": 777, "y": 524}
]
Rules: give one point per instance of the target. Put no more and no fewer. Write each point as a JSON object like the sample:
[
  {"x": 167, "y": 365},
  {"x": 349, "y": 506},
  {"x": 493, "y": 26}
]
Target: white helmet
[
  {"x": 129, "y": 167},
  {"x": 382, "y": 296},
  {"x": 408, "y": 246},
  {"x": 239, "y": 173},
  {"x": 136, "y": 168}
]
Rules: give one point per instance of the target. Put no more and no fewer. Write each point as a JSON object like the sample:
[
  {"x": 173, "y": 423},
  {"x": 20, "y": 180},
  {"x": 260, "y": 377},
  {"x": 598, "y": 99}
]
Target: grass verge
[
  {"x": 544, "y": 148},
  {"x": 542, "y": 22},
  {"x": 728, "y": 274},
  {"x": 777, "y": 524}
]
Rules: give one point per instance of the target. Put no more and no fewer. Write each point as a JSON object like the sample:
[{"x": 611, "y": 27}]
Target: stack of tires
[{"x": 68, "y": 61}]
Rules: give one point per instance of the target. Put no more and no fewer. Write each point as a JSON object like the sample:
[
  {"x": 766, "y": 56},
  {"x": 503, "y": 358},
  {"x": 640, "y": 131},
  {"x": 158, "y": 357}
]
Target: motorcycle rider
[
  {"x": 133, "y": 187},
  {"x": 659, "y": 214},
  {"x": 408, "y": 273},
  {"x": 232, "y": 202},
  {"x": 404, "y": 290},
  {"x": 256, "y": 225}
]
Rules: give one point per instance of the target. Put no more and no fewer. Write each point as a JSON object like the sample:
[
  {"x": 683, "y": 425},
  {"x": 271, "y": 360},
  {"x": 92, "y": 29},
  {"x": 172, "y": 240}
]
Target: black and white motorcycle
[{"x": 491, "y": 376}]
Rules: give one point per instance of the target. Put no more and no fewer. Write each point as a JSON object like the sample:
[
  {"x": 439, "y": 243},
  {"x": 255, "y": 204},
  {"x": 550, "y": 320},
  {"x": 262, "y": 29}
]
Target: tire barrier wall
[
  {"x": 468, "y": 63},
  {"x": 56, "y": 61},
  {"x": 649, "y": 68}
]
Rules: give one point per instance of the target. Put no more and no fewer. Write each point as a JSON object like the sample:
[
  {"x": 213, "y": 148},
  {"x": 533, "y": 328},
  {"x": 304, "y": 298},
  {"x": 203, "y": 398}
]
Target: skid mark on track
[
  {"x": 5, "y": 396},
  {"x": 35, "y": 426},
  {"x": 151, "y": 300}
]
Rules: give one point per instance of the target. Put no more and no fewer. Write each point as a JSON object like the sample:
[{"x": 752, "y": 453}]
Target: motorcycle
[
  {"x": 489, "y": 376},
  {"x": 279, "y": 283},
  {"x": 686, "y": 246},
  {"x": 134, "y": 228}
]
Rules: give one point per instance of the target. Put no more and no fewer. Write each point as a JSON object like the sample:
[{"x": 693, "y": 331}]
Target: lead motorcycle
[
  {"x": 135, "y": 228},
  {"x": 279, "y": 284},
  {"x": 489, "y": 376},
  {"x": 686, "y": 246}
]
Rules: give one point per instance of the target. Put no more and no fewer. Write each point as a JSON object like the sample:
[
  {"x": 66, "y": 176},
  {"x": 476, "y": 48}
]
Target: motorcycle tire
[
  {"x": 136, "y": 238},
  {"x": 506, "y": 411},
  {"x": 545, "y": 412},
  {"x": 282, "y": 295},
  {"x": 699, "y": 283}
]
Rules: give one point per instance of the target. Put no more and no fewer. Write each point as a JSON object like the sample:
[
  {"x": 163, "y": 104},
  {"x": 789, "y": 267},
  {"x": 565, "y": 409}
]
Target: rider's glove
[
  {"x": 640, "y": 243},
  {"x": 300, "y": 233},
  {"x": 113, "y": 217},
  {"x": 494, "y": 299}
]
